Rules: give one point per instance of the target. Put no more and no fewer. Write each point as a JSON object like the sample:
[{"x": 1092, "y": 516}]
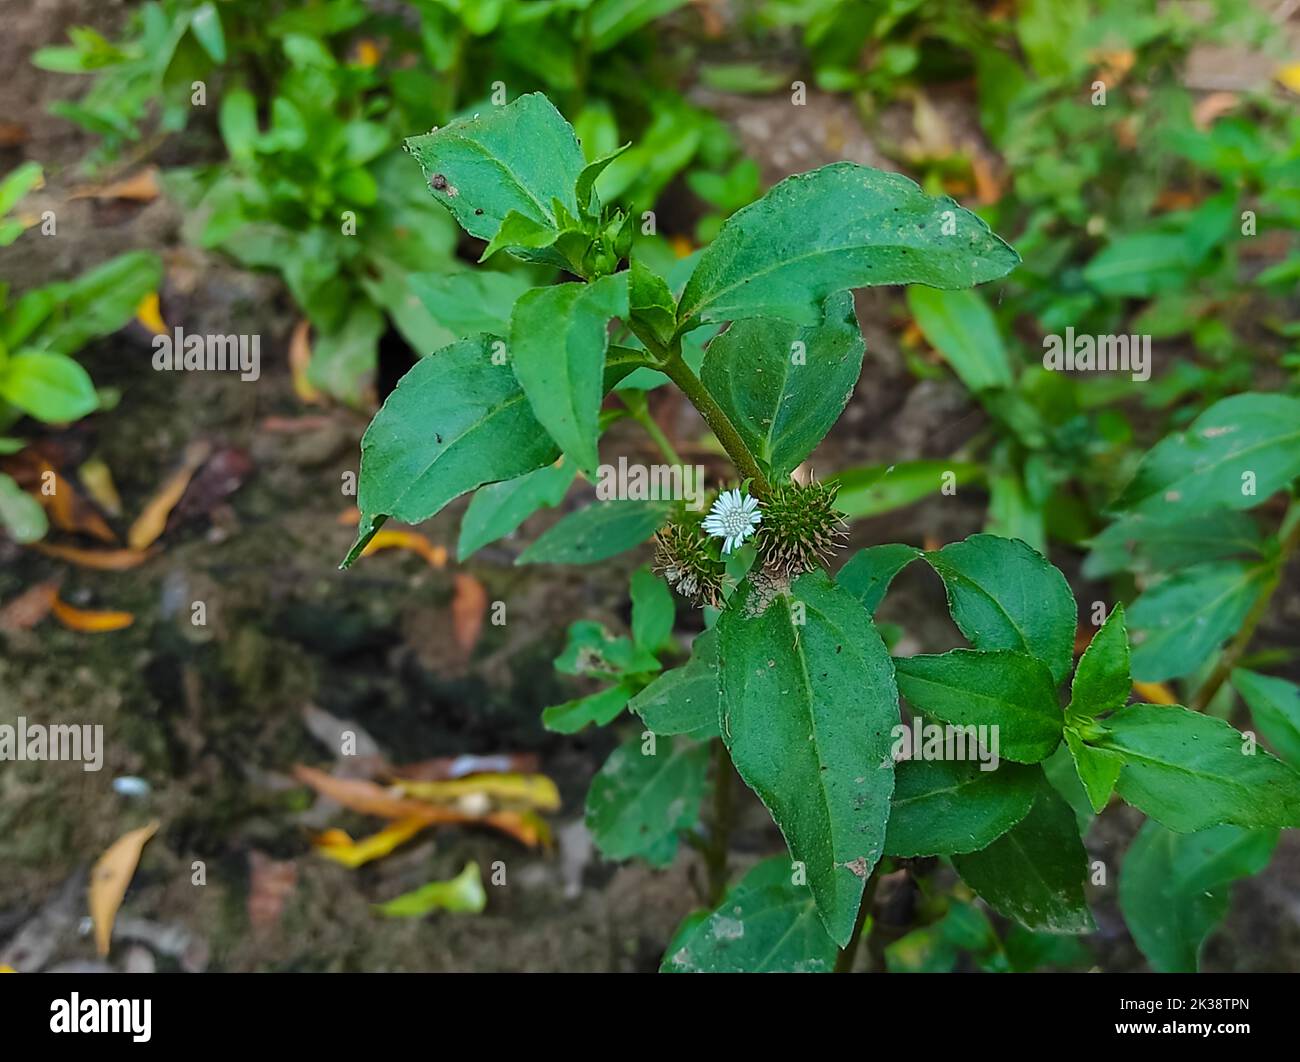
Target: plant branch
[
  {"x": 844, "y": 961},
  {"x": 676, "y": 369},
  {"x": 1238, "y": 646},
  {"x": 715, "y": 856}
]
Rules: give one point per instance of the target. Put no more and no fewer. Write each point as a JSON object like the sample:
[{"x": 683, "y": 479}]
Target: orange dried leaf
[
  {"x": 350, "y": 517},
  {"x": 468, "y": 606},
  {"x": 102, "y": 560},
  {"x": 89, "y": 621},
  {"x": 370, "y": 798},
  {"x": 338, "y": 846},
  {"x": 153, "y": 518},
  {"x": 299, "y": 360},
  {"x": 141, "y": 187},
  {"x": 1211, "y": 107},
  {"x": 436, "y": 556},
  {"x": 526, "y": 827},
  {"x": 109, "y": 880},
  {"x": 67, "y": 509}
]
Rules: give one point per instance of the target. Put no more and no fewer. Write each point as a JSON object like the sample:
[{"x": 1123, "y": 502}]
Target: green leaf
[
  {"x": 558, "y": 336},
  {"x": 454, "y": 422},
  {"x": 519, "y": 232},
  {"x": 653, "y": 610},
  {"x": 17, "y": 183},
  {"x": 1189, "y": 771},
  {"x": 587, "y": 179},
  {"x": 1275, "y": 709},
  {"x": 1150, "y": 544},
  {"x": 1004, "y": 595},
  {"x": 875, "y": 489},
  {"x": 463, "y": 894},
  {"x": 1182, "y": 620},
  {"x": 838, "y": 227},
  {"x": 942, "y": 807},
  {"x": 685, "y": 699},
  {"x": 466, "y": 304},
  {"x": 651, "y": 301},
  {"x": 344, "y": 359},
  {"x": 592, "y": 650},
  {"x": 1140, "y": 265},
  {"x": 766, "y": 924},
  {"x": 1101, "y": 681},
  {"x": 959, "y": 325},
  {"x": 1206, "y": 466},
  {"x": 599, "y": 708},
  {"x": 499, "y": 508},
  {"x": 783, "y": 386},
  {"x": 522, "y": 157},
  {"x": 237, "y": 120},
  {"x": 1098, "y": 770},
  {"x": 637, "y": 803},
  {"x": 21, "y": 515},
  {"x": 869, "y": 572},
  {"x": 1011, "y": 692},
  {"x": 1034, "y": 872},
  {"x": 100, "y": 301},
  {"x": 807, "y": 711},
  {"x": 49, "y": 387},
  {"x": 597, "y": 532},
  {"x": 205, "y": 24},
  {"x": 1173, "y": 888}
]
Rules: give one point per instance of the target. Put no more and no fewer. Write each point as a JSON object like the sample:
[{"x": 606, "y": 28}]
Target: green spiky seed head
[
  {"x": 801, "y": 528},
  {"x": 687, "y": 559}
]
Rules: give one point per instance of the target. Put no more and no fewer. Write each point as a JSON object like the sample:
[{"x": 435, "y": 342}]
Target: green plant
[
  {"x": 309, "y": 101},
  {"x": 40, "y": 331},
  {"x": 791, "y": 682}
]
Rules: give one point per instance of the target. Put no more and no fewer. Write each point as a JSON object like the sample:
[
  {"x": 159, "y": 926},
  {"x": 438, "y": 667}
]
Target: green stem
[
  {"x": 844, "y": 961},
  {"x": 676, "y": 369},
  {"x": 1238, "y": 646},
  {"x": 715, "y": 857}
]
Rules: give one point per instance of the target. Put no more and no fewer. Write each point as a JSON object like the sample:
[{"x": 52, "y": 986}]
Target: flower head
[
  {"x": 732, "y": 518},
  {"x": 802, "y": 528}
]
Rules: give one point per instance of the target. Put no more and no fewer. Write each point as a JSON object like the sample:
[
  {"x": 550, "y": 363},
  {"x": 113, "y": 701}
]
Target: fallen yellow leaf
[
  {"x": 338, "y": 846},
  {"x": 149, "y": 314},
  {"x": 1154, "y": 693},
  {"x": 409, "y": 540},
  {"x": 7, "y": 969},
  {"x": 1289, "y": 76},
  {"x": 535, "y": 790},
  {"x": 109, "y": 879},
  {"x": 88, "y": 620},
  {"x": 153, "y": 518},
  {"x": 367, "y": 53},
  {"x": 97, "y": 478}
]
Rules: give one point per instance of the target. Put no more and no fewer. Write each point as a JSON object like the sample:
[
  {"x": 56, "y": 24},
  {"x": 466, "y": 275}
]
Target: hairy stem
[
  {"x": 844, "y": 961},
  {"x": 715, "y": 857},
  {"x": 1238, "y": 646}
]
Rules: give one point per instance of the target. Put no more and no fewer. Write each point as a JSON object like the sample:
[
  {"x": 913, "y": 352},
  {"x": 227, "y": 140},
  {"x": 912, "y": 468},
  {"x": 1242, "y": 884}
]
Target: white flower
[{"x": 732, "y": 518}]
